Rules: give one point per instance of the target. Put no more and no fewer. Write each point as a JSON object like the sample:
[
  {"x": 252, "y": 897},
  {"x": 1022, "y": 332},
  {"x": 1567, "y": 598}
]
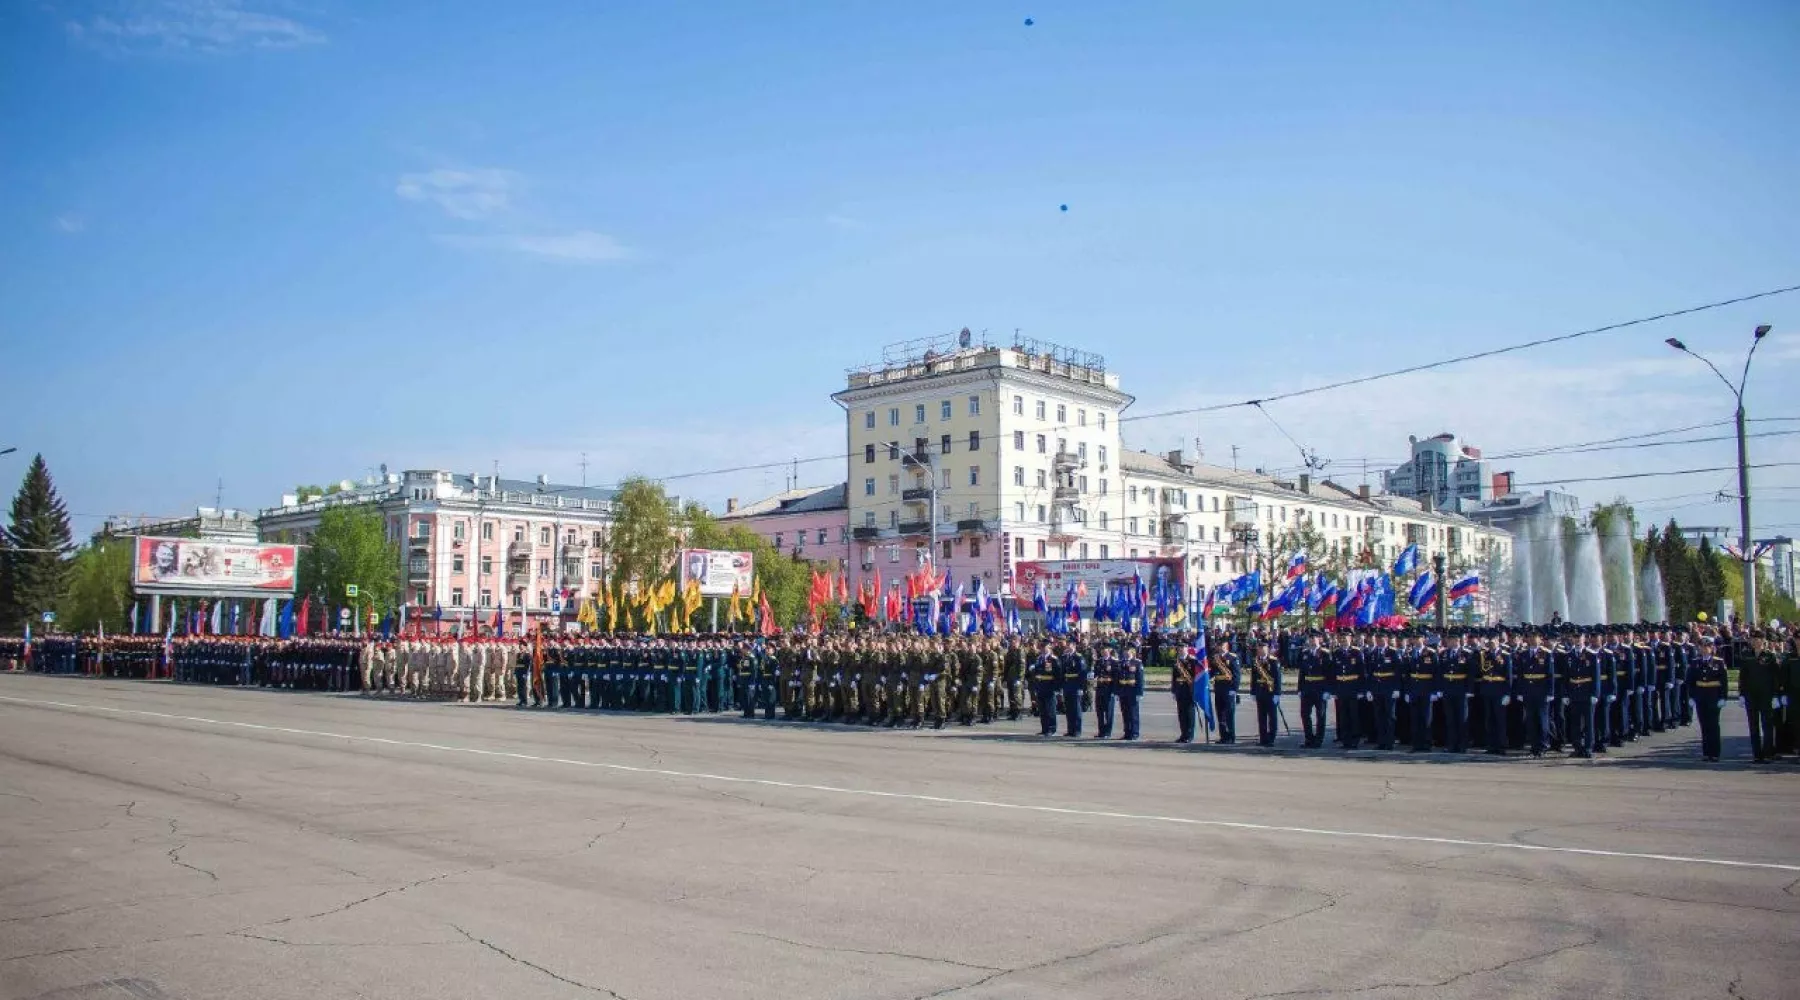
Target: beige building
[{"x": 986, "y": 456}]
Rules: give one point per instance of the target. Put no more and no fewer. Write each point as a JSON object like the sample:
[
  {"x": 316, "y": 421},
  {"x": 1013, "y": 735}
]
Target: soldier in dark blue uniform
[
  {"x": 1313, "y": 674},
  {"x": 1182, "y": 686},
  {"x": 1072, "y": 675},
  {"x": 1384, "y": 665},
  {"x": 1128, "y": 688},
  {"x": 1105, "y": 666},
  {"x": 1424, "y": 680},
  {"x": 1043, "y": 675},
  {"x": 1265, "y": 687},
  {"x": 1225, "y": 674},
  {"x": 1535, "y": 681},
  {"x": 1578, "y": 677},
  {"x": 1709, "y": 685},
  {"x": 1347, "y": 684},
  {"x": 1493, "y": 680},
  {"x": 1456, "y": 671}
]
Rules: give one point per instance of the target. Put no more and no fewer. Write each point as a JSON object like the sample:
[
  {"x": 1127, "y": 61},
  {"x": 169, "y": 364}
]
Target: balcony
[
  {"x": 970, "y": 525},
  {"x": 865, "y": 533},
  {"x": 1061, "y": 528},
  {"x": 1240, "y": 513},
  {"x": 419, "y": 543},
  {"x": 1065, "y": 461},
  {"x": 1065, "y": 494},
  {"x": 918, "y": 494},
  {"x": 915, "y": 527},
  {"x": 519, "y": 549},
  {"x": 418, "y": 569},
  {"x": 573, "y": 574}
]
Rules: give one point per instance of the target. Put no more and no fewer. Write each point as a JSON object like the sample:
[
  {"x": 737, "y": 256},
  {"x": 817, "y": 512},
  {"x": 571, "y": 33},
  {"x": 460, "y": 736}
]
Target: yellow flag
[{"x": 1177, "y": 616}]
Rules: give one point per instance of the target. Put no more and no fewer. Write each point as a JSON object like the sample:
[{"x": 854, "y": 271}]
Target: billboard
[
  {"x": 1058, "y": 575},
  {"x": 194, "y": 564},
  {"x": 717, "y": 571}
]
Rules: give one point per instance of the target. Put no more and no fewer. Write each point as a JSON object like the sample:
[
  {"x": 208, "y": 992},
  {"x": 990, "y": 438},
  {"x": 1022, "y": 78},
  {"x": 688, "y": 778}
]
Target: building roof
[
  {"x": 598, "y": 494},
  {"x": 1321, "y": 491},
  {"x": 805, "y": 500}
]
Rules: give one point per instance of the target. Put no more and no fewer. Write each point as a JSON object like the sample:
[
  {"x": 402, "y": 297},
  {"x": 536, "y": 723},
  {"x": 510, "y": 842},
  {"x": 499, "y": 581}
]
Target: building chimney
[
  {"x": 730, "y": 505},
  {"x": 1306, "y": 483},
  {"x": 1362, "y": 492},
  {"x": 1175, "y": 458},
  {"x": 1428, "y": 502}
]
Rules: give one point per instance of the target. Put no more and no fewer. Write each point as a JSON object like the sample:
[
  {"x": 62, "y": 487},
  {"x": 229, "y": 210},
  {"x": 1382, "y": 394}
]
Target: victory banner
[
  {"x": 192, "y": 564},
  {"x": 1093, "y": 576},
  {"x": 717, "y": 572}
]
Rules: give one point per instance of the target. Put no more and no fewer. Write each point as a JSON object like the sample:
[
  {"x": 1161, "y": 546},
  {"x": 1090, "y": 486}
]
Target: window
[
  {"x": 1063, "y": 551},
  {"x": 419, "y": 597},
  {"x": 821, "y": 536},
  {"x": 1040, "y": 517},
  {"x": 1041, "y": 442},
  {"x": 543, "y": 567},
  {"x": 974, "y": 406},
  {"x": 893, "y": 553},
  {"x": 1018, "y": 548},
  {"x": 456, "y": 597},
  {"x": 1084, "y": 484},
  {"x": 1018, "y": 406},
  {"x": 597, "y": 540},
  {"x": 869, "y": 486},
  {"x": 1102, "y": 456},
  {"x": 596, "y": 571},
  {"x": 944, "y": 410},
  {"x": 868, "y": 454},
  {"x": 1081, "y": 417},
  {"x": 868, "y": 519},
  {"x": 974, "y": 543},
  {"x": 456, "y": 566},
  {"x": 1040, "y": 416},
  {"x": 943, "y": 444},
  {"x": 456, "y": 532},
  {"x": 974, "y": 475},
  {"x": 1084, "y": 550},
  {"x": 894, "y": 484},
  {"x": 1215, "y": 505},
  {"x": 1018, "y": 440},
  {"x": 919, "y": 413},
  {"x": 487, "y": 598},
  {"x": 1131, "y": 493},
  {"x": 1134, "y": 554},
  {"x": 1019, "y": 511},
  {"x": 543, "y": 536},
  {"x": 487, "y": 531},
  {"x": 1103, "y": 550},
  {"x": 1018, "y": 475},
  {"x": 487, "y": 565},
  {"x": 799, "y": 540},
  {"x": 1102, "y": 485},
  {"x": 946, "y": 547},
  {"x": 543, "y": 599},
  {"x": 1062, "y": 413},
  {"x": 869, "y": 420},
  {"x": 1216, "y": 564},
  {"x": 1043, "y": 549},
  {"x": 920, "y": 445},
  {"x": 1081, "y": 451},
  {"x": 1103, "y": 520},
  {"x": 1150, "y": 526},
  {"x": 778, "y": 539},
  {"x": 518, "y": 532},
  {"x": 893, "y": 519},
  {"x": 422, "y": 529},
  {"x": 974, "y": 440},
  {"x": 1040, "y": 479},
  {"x": 1062, "y": 446},
  {"x": 974, "y": 510},
  {"x": 1215, "y": 534},
  {"x": 894, "y": 417},
  {"x": 1102, "y": 419}
]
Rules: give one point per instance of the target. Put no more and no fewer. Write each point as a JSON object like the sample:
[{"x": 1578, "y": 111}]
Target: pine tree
[
  {"x": 1680, "y": 580},
  {"x": 36, "y": 572},
  {"x": 1710, "y": 573}
]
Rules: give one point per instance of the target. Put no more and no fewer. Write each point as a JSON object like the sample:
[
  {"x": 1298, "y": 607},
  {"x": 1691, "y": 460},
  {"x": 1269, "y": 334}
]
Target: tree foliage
[
  {"x": 35, "y": 573},
  {"x": 99, "y": 587},
  {"x": 784, "y": 580},
  {"x": 351, "y": 546},
  {"x": 1710, "y": 573},
  {"x": 641, "y": 545}
]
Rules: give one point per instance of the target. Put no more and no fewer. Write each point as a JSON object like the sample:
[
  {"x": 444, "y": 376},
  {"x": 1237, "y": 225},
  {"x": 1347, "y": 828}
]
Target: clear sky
[{"x": 274, "y": 242}]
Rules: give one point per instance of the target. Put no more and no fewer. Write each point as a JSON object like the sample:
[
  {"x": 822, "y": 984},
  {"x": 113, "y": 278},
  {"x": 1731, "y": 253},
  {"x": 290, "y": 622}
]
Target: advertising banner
[
  {"x": 193, "y": 564},
  {"x": 717, "y": 571},
  {"x": 1058, "y": 575}
]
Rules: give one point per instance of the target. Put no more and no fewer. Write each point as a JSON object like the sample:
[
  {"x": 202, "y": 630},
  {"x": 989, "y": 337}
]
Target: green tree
[
  {"x": 1681, "y": 581},
  {"x": 36, "y": 570},
  {"x": 351, "y": 546},
  {"x": 640, "y": 547},
  {"x": 1710, "y": 573},
  {"x": 784, "y": 580},
  {"x": 99, "y": 587}
]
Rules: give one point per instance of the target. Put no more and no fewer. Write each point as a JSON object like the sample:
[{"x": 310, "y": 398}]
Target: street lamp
[
  {"x": 1745, "y": 550},
  {"x": 7, "y": 451}
]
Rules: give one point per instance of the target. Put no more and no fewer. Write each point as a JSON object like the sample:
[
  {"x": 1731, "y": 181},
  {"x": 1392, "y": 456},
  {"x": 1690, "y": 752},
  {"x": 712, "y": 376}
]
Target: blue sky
[{"x": 275, "y": 242}]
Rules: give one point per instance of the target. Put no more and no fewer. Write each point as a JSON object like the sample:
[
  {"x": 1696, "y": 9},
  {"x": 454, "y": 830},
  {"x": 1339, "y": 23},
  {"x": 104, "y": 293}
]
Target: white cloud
[
  {"x": 189, "y": 25},
  {"x": 581, "y": 246},
  {"x": 471, "y": 195},
  {"x": 70, "y": 223}
]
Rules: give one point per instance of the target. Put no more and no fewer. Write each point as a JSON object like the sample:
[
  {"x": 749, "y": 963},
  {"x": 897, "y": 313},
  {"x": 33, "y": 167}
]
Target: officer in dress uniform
[
  {"x": 1073, "y": 676},
  {"x": 1385, "y": 668},
  {"x": 1265, "y": 687},
  {"x": 1424, "y": 675},
  {"x": 1494, "y": 683},
  {"x": 1535, "y": 682},
  {"x": 1313, "y": 671},
  {"x": 1348, "y": 683},
  {"x": 1181, "y": 685},
  {"x": 1709, "y": 685},
  {"x": 1226, "y": 670},
  {"x": 1044, "y": 675},
  {"x": 1578, "y": 677},
  {"x": 1454, "y": 693},
  {"x": 1758, "y": 686},
  {"x": 1105, "y": 668},
  {"x": 1128, "y": 687}
]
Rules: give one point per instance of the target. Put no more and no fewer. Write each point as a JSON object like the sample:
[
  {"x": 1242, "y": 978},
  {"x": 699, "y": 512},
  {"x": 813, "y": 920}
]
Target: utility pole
[
  {"x": 1443, "y": 610},
  {"x": 1234, "y": 451},
  {"x": 1746, "y": 547}
]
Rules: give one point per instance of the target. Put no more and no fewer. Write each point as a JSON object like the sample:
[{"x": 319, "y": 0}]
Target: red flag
[
  {"x": 767, "y": 625},
  {"x": 305, "y": 613}
]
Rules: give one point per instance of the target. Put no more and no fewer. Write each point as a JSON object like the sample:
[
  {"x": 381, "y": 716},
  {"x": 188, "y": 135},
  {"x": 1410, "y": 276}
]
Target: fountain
[
  {"x": 1587, "y": 574},
  {"x": 1650, "y": 593},
  {"x": 1618, "y": 573},
  {"x": 1587, "y": 585}
]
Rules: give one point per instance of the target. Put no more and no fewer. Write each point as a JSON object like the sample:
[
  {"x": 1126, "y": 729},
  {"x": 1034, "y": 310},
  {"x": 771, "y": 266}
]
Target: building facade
[
  {"x": 811, "y": 524},
  {"x": 1452, "y": 475},
  {"x": 471, "y": 544},
  {"x": 982, "y": 457}
]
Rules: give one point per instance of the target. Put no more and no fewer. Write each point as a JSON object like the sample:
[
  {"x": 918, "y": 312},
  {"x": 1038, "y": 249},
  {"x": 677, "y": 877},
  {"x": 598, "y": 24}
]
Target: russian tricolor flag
[
  {"x": 1468, "y": 586},
  {"x": 1296, "y": 565}
]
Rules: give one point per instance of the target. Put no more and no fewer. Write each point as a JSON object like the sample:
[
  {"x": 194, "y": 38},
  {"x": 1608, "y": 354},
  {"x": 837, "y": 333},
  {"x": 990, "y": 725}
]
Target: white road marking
[{"x": 935, "y": 799}]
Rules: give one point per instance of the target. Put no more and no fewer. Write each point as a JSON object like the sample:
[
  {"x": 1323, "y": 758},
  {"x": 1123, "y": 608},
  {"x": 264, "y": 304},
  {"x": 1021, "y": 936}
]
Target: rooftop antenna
[
  {"x": 1234, "y": 451},
  {"x": 219, "y": 497},
  {"x": 584, "y": 465}
]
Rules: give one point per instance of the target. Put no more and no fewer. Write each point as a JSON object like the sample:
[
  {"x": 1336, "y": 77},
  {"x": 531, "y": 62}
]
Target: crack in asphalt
[
  {"x": 1437, "y": 984},
  {"x": 339, "y": 944},
  {"x": 509, "y": 956},
  {"x": 175, "y": 858},
  {"x": 101, "y": 947},
  {"x": 1563, "y": 883},
  {"x": 865, "y": 951}
]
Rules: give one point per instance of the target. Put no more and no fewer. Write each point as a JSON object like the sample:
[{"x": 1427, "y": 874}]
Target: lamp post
[
  {"x": 1746, "y": 551},
  {"x": 8, "y": 450}
]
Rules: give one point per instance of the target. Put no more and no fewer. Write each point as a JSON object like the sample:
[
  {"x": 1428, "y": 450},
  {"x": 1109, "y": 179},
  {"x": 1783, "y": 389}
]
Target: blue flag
[{"x": 1407, "y": 562}]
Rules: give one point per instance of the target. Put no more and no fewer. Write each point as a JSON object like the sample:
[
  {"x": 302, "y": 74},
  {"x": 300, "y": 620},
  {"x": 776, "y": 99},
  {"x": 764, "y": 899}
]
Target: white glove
[
  {"x": 1506, "y": 699},
  {"x": 1611, "y": 698},
  {"x": 1435, "y": 695},
  {"x": 1565, "y": 701},
  {"x": 1276, "y": 700},
  {"x": 1393, "y": 694}
]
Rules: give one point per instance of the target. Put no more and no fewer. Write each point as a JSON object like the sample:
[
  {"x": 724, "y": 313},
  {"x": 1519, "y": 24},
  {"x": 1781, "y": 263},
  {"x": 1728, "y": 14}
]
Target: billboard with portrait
[
  {"x": 200, "y": 566},
  {"x": 1057, "y": 575},
  {"x": 717, "y": 571}
]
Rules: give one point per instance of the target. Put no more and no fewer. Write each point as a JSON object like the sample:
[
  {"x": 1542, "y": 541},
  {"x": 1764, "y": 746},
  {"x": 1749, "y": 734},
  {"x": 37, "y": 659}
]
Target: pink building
[
  {"x": 811, "y": 523},
  {"x": 472, "y": 543}
]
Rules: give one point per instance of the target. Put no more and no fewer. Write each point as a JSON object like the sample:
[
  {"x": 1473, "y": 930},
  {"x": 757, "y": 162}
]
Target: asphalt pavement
[{"x": 161, "y": 841}]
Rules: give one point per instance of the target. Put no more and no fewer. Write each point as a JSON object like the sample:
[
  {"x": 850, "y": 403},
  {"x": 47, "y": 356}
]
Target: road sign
[
  {"x": 343, "y": 614},
  {"x": 49, "y": 617},
  {"x": 349, "y": 590}
]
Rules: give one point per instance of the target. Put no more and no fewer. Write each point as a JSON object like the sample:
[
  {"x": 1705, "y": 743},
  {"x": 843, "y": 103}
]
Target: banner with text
[
  {"x": 193, "y": 564},
  {"x": 717, "y": 571}
]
